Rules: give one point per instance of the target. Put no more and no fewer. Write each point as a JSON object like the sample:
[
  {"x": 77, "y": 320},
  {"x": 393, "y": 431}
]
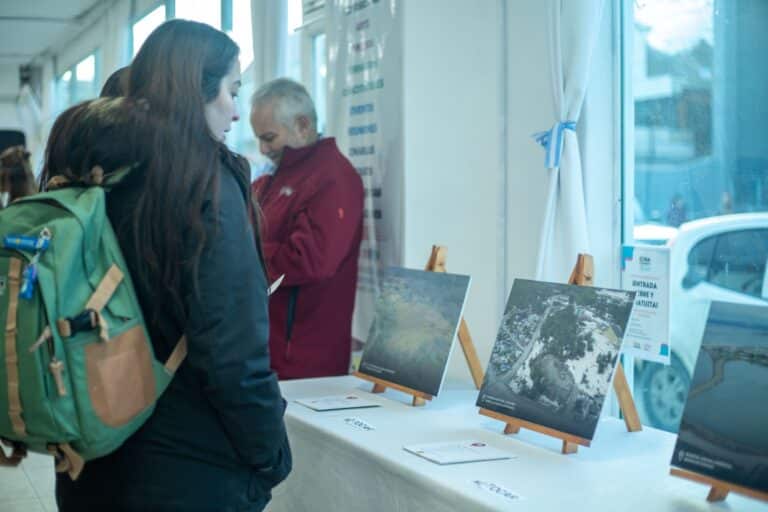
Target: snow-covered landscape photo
[{"x": 555, "y": 353}]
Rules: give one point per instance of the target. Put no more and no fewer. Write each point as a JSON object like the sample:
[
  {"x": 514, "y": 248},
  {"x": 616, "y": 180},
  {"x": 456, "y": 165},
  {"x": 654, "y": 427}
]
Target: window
[
  {"x": 142, "y": 28},
  {"x": 695, "y": 82},
  {"x": 291, "y": 65},
  {"x": 241, "y": 138},
  {"x": 739, "y": 261},
  {"x": 85, "y": 80},
  {"x": 699, "y": 262},
  {"x": 312, "y": 58},
  {"x": 319, "y": 83},
  {"x": 63, "y": 87},
  {"x": 204, "y": 11},
  {"x": 78, "y": 83},
  {"x": 241, "y": 31}
]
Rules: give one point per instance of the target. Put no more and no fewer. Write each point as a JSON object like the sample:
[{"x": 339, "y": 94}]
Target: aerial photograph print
[
  {"x": 555, "y": 354},
  {"x": 415, "y": 323},
  {"x": 725, "y": 420}
]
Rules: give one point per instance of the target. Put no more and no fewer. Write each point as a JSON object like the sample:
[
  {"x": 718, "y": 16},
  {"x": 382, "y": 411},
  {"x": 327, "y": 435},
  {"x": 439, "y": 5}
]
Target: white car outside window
[{"x": 718, "y": 258}]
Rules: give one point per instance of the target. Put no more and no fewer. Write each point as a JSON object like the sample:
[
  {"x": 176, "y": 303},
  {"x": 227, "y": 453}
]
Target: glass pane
[
  {"x": 699, "y": 82},
  {"x": 204, "y": 11},
  {"x": 291, "y": 66},
  {"x": 84, "y": 87},
  {"x": 63, "y": 87},
  {"x": 241, "y": 138},
  {"x": 86, "y": 69},
  {"x": 142, "y": 28},
  {"x": 319, "y": 72},
  {"x": 295, "y": 15},
  {"x": 242, "y": 32},
  {"x": 739, "y": 261},
  {"x": 699, "y": 263}
]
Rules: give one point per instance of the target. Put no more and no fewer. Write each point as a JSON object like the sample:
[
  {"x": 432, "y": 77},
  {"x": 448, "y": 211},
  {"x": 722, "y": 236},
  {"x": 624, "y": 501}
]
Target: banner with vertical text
[{"x": 365, "y": 114}]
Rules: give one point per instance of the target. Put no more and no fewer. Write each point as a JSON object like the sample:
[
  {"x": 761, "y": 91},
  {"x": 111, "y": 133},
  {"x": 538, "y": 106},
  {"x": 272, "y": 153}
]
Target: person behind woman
[
  {"x": 216, "y": 440},
  {"x": 117, "y": 84},
  {"x": 16, "y": 178}
]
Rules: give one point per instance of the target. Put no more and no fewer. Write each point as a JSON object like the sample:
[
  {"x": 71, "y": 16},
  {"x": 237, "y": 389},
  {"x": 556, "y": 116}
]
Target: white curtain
[{"x": 573, "y": 32}]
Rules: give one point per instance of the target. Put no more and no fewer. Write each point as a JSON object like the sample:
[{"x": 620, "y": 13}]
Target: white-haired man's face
[{"x": 274, "y": 136}]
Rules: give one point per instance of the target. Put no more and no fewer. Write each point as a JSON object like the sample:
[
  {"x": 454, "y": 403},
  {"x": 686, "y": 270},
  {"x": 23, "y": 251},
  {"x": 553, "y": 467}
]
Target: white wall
[{"x": 455, "y": 155}]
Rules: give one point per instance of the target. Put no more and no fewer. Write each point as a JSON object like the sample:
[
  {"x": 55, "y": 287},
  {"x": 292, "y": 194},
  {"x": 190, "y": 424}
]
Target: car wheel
[{"x": 665, "y": 390}]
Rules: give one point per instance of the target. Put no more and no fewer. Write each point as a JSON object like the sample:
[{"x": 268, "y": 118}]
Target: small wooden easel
[
  {"x": 582, "y": 275},
  {"x": 719, "y": 489},
  {"x": 436, "y": 263}
]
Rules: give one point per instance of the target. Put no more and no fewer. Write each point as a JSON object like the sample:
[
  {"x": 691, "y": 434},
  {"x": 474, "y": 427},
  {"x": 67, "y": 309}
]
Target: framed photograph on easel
[
  {"x": 412, "y": 336},
  {"x": 722, "y": 440},
  {"x": 554, "y": 358}
]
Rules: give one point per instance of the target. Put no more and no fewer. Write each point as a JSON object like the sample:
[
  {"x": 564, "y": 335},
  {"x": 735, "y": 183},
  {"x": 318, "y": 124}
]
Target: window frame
[
  {"x": 136, "y": 17},
  {"x": 64, "y": 103},
  {"x": 714, "y": 157},
  {"x": 309, "y": 32}
]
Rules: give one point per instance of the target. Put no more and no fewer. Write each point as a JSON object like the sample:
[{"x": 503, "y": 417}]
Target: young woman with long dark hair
[{"x": 184, "y": 219}]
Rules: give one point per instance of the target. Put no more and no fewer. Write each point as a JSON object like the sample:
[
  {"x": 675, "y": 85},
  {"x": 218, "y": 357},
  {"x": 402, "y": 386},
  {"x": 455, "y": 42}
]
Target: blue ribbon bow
[{"x": 552, "y": 142}]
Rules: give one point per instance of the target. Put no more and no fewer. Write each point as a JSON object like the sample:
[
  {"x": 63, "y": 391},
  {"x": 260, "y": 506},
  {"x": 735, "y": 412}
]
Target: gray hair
[{"x": 291, "y": 100}]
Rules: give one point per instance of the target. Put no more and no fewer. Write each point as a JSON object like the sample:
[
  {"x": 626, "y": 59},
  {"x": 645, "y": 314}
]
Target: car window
[
  {"x": 764, "y": 293},
  {"x": 699, "y": 260},
  {"x": 738, "y": 261}
]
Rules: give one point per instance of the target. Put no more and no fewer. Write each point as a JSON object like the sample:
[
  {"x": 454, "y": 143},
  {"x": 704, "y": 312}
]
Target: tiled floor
[{"x": 29, "y": 487}]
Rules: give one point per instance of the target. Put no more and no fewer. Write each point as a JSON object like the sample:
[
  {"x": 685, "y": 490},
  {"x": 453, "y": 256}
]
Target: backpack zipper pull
[
  {"x": 57, "y": 368},
  {"x": 46, "y": 335},
  {"x": 29, "y": 277}
]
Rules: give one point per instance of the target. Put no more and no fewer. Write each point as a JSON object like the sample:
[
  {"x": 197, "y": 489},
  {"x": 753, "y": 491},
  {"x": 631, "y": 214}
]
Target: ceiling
[{"x": 29, "y": 28}]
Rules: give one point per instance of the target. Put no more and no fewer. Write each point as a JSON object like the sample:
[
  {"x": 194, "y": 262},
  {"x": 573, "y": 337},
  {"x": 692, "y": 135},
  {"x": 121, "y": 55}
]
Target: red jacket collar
[{"x": 293, "y": 156}]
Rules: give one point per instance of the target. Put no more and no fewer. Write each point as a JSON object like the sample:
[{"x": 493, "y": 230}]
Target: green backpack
[{"x": 78, "y": 374}]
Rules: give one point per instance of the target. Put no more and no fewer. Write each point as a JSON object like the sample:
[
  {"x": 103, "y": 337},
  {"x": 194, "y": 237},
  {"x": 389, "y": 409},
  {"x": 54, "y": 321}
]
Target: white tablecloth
[{"x": 340, "y": 467}]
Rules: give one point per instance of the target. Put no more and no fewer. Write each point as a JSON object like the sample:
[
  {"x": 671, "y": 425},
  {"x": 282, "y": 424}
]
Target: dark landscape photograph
[
  {"x": 417, "y": 316},
  {"x": 725, "y": 421}
]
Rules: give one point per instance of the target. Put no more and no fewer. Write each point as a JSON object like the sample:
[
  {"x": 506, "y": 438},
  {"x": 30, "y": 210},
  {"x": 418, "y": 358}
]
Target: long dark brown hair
[
  {"x": 110, "y": 133},
  {"x": 16, "y": 176},
  {"x": 179, "y": 69},
  {"x": 117, "y": 84}
]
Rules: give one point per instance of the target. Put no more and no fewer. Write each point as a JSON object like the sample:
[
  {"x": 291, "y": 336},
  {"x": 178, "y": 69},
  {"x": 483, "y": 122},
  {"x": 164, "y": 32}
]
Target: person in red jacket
[{"x": 313, "y": 209}]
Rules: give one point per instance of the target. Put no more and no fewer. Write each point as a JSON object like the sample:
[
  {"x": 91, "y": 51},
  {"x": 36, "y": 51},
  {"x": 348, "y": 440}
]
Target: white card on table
[
  {"x": 336, "y": 402},
  {"x": 456, "y": 452}
]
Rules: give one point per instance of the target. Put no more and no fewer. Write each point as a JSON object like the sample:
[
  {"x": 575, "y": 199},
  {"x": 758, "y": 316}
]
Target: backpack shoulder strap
[{"x": 177, "y": 356}]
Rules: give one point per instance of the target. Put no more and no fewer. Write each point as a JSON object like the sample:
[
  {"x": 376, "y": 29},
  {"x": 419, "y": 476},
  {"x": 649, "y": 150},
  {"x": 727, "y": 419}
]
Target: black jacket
[{"x": 216, "y": 440}]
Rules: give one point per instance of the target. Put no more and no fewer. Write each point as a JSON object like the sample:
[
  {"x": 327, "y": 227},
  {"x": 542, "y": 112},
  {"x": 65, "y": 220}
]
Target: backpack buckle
[{"x": 85, "y": 321}]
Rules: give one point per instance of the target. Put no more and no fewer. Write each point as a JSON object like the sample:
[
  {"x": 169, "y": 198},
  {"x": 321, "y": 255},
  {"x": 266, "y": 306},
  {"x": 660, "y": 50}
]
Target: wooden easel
[
  {"x": 436, "y": 263},
  {"x": 718, "y": 489},
  {"x": 582, "y": 275}
]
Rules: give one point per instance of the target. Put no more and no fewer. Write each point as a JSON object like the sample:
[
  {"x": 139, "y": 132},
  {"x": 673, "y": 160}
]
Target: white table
[{"x": 338, "y": 467}]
